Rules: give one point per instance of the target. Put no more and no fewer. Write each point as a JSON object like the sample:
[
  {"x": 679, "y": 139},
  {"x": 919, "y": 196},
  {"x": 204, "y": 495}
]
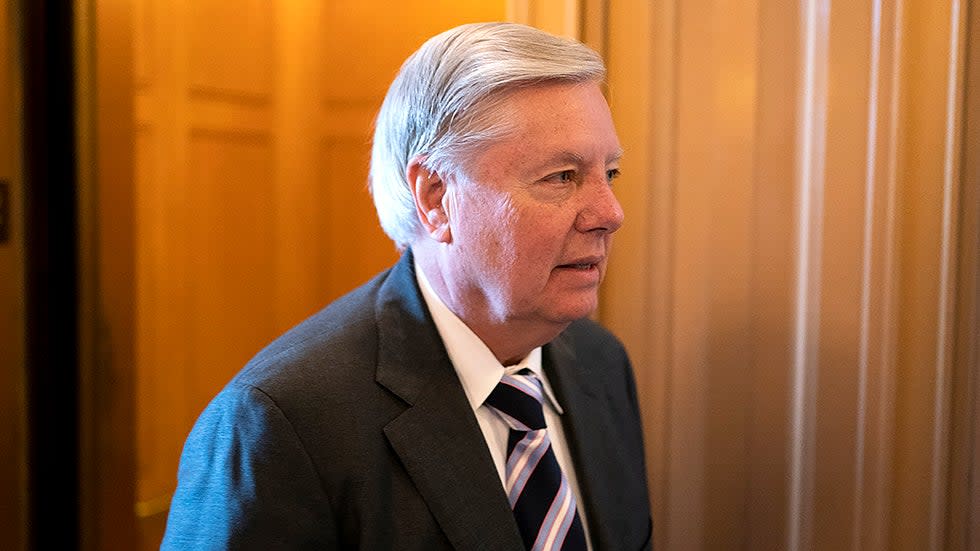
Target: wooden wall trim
[
  {"x": 562, "y": 17},
  {"x": 866, "y": 396},
  {"x": 875, "y": 421},
  {"x": 811, "y": 136},
  {"x": 107, "y": 273},
  {"x": 964, "y": 483},
  {"x": 948, "y": 247}
]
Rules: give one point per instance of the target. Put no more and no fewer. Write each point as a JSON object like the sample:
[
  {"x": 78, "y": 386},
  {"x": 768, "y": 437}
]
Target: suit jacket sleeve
[{"x": 246, "y": 481}]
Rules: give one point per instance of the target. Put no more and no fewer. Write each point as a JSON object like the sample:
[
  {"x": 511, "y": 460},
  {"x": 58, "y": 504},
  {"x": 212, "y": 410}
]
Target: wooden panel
[
  {"x": 220, "y": 113},
  {"x": 161, "y": 420},
  {"x": 154, "y": 417},
  {"x": 928, "y": 157},
  {"x": 232, "y": 47},
  {"x": 874, "y": 421},
  {"x": 162, "y": 417},
  {"x": 698, "y": 292},
  {"x": 144, "y": 38},
  {"x": 297, "y": 123},
  {"x": 841, "y": 242},
  {"x": 791, "y": 216},
  {"x": 964, "y": 520},
  {"x": 774, "y": 246},
  {"x": 349, "y": 262},
  {"x": 107, "y": 279},
  {"x": 156, "y": 380},
  {"x": 561, "y": 17},
  {"x": 369, "y": 40},
  {"x": 230, "y": 258}
]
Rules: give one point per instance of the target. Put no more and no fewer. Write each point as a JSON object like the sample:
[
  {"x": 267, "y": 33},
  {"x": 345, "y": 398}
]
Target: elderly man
[{"x": 460, "y": 399}]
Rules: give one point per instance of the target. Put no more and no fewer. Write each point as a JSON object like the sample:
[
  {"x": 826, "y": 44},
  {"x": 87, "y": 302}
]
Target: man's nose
[{"x": 601, "y": 211}]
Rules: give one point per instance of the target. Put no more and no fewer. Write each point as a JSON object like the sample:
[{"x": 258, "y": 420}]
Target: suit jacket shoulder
[{"x": 350, "y": 430}]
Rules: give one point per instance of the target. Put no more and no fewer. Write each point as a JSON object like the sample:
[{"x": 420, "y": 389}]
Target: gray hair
[{"x": 441, "y": 105}]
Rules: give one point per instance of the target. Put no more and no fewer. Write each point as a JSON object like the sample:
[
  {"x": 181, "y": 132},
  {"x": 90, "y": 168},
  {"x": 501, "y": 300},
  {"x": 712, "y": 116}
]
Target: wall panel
[
  {"x": 964, "y": 504},
  {"x": 105, "y": 128},
  {"x": 230, "y": 257},
  {"x": 842, "y": 224},
  {"x": 790, "y": 188},
  {"x": 344, "y": 175},
  {"x": 232, "y": 47}
]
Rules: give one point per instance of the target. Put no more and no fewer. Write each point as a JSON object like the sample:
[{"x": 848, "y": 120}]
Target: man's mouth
[{"x": 583, "y": 263}]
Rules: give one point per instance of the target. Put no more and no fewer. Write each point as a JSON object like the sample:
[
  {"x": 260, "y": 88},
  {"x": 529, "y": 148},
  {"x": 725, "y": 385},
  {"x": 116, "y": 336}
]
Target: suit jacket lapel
[
  {"x": 583, "y": 421},
  {"x": 437, "y": 437}
]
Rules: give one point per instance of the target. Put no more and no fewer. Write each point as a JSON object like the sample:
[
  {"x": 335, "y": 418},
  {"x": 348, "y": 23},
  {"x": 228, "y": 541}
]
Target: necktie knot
[{"x": 517, "y": 399}]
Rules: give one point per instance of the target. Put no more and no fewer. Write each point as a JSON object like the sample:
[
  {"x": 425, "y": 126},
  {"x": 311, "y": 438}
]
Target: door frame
[{"x": 107, "y": 283}]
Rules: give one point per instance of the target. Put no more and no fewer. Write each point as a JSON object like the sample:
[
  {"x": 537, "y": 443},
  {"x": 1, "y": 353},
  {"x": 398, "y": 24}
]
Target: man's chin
[{"x": 574, "y": 311}]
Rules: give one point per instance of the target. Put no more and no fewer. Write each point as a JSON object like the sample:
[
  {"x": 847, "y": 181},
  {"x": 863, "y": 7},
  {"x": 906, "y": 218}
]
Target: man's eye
[
  {"x": 612, "y": 174},
  {"x": 565, "y": 176}
]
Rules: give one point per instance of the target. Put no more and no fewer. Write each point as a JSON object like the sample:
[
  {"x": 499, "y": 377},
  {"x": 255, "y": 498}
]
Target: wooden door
[{"x": 253, "y": 125}]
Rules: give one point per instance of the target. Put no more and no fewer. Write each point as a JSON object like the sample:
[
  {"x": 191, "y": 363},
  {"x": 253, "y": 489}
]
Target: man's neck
[{"x": 510, "y": 340}]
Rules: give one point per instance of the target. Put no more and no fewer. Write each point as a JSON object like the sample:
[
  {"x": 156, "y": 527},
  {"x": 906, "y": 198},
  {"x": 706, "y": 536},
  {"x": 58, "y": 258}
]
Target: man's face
[{"x": 532, "y": 218}]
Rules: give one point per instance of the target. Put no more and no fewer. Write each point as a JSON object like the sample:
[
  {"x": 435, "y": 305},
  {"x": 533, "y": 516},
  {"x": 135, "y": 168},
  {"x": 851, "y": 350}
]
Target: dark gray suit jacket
[{"x": 352, "y": 431}]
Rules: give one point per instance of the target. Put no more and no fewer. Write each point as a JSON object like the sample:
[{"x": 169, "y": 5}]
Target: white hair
[{"x": 441, "y": 103}]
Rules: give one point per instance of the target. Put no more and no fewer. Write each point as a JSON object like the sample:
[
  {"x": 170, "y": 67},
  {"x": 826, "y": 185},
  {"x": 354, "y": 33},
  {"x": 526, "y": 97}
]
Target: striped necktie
[{"x": 539, "y": 494}]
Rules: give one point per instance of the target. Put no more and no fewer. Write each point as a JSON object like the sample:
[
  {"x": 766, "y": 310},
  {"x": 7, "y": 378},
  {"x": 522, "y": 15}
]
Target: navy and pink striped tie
[{"x": 539, "y": 494}]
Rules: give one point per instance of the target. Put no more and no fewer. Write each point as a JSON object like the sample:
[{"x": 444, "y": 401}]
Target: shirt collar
[{"x": 478, "y": 369}]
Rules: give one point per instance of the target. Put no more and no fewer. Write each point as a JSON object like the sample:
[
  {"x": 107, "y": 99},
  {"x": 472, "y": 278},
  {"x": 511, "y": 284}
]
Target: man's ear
[{"x": 429, "y": 191}]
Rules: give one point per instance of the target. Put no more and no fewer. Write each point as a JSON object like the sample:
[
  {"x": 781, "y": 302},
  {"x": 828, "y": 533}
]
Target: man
[{"x": 461, "y": 399}]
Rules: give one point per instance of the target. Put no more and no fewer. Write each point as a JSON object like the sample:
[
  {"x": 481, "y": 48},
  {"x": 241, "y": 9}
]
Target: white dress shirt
[{"x": 480, "y": 371}]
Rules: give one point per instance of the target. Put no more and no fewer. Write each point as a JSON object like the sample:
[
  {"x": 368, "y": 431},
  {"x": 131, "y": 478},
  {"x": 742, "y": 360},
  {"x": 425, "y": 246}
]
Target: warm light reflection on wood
[{"x": 790, "y": 215}]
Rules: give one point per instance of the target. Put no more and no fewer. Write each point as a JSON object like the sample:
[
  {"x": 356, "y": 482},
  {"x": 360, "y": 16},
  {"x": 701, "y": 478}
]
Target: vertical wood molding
[
  {"x": 298, "y": 88},
  {"x": 866, "y": 273},
  {"x": 809, "y": 183},
  {"x": 562, "y": 17},
  {"x": 162, "y": 278},
  {"x": 948, "y": 247},
  {"x": 107, "y": 273},
  {"x": 519, "y": 11},
  {"x": 595, "y": 22},
  {"x": 964, "y": 503},
  {"x": 932, "y": 51},
  {"x": 865, "y": 397},
  {"x": 655, "y": 149},
  {"x": 874, "y": 425}
]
